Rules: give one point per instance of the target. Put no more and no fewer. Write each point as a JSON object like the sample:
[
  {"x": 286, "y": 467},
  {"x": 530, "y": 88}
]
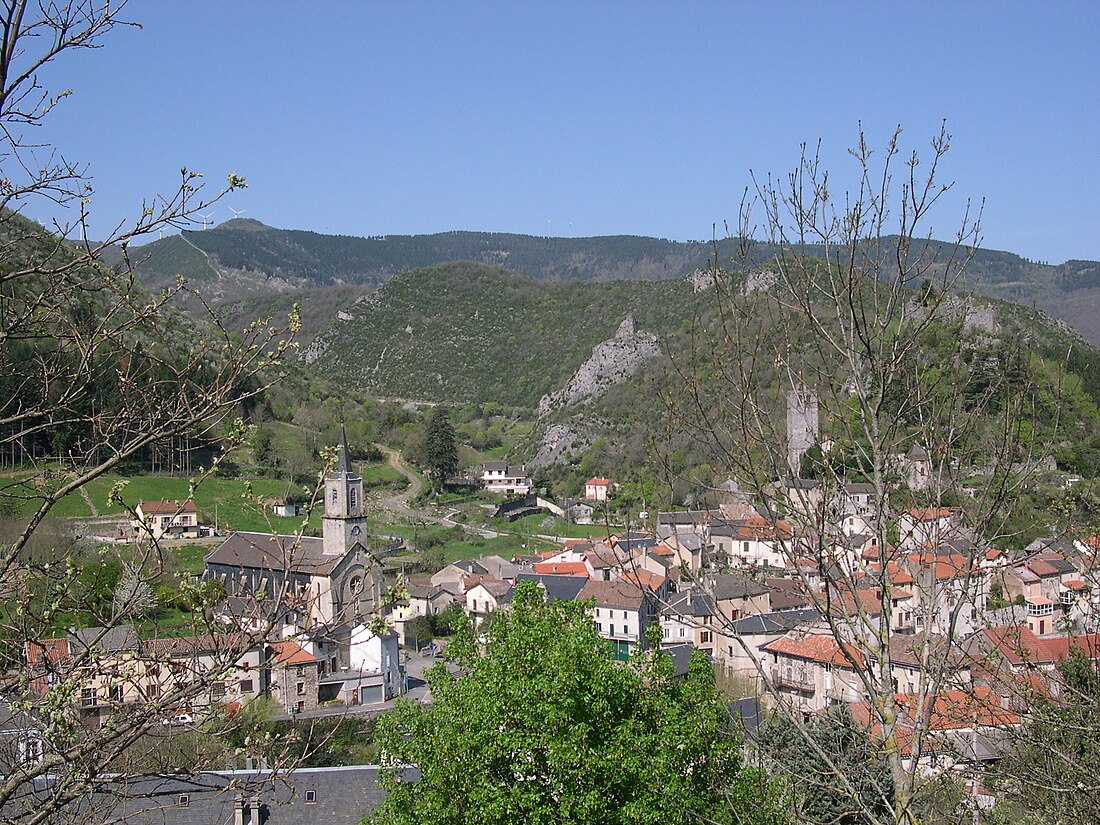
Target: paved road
[{"x": 415, "y": 667}]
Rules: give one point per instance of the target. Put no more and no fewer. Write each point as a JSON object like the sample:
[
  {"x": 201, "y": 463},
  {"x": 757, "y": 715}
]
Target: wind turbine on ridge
[
  {"x": 206, "y": 219},
  {"x": 237, "y": 212}
]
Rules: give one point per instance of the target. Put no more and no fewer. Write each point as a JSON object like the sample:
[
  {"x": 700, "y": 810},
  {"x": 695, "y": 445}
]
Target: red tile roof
[
  {"x": 645, "y": 578},
  {"x": 167, "y": 507},
  {"x": 562, "y": 568},
  {"x": 291, "y": 653},
  {"x": 816, "y": 647},
  {"x": 761, "y": 529},
  {"x": 929, "y": 513},
  {"x": 948, "y": 710},
  {"x": 1020, "y": 646}
]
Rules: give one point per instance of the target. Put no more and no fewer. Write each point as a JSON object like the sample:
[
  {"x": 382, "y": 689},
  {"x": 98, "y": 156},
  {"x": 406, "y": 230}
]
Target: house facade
[
  {"x": 155, "y": 520},
  {"x": 597, "y": 489},
  {"x": 621, "y": 614},
  {"x": 500, "y": 477}
]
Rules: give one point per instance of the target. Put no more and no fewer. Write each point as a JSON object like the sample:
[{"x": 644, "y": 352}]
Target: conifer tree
[{"x": 440, "y": 447}]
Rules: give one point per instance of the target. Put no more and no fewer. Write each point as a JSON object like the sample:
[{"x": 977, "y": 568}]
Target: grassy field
[{"x": 235, "y": 504}]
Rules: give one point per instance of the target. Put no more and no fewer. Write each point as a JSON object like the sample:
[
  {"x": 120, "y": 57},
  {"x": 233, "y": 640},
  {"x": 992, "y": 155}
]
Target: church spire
[
  {"x": 343, "y": 465},
  {"x": 342, "y": 524}
]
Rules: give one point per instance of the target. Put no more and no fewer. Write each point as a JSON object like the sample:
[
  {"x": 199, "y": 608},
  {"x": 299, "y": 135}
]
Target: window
[
  {"x": 217, "y": 690},
  {"x": 152, "y": 690},
  {"x": 664, "y": 632},
  {"x": 301, "y": 688},
  {"x": 87, "y": 697},
  {"x": 184, "y": 800},
  {"x": 599, "y": 627},
  {"x": 311, "y": 797},
  {"x": 351, "y": 497},
  {"x": 246, "y": 686},
  {"x": 335, "y": 495},
  {"x": 625, "y": 631},
  {"x": 704, "y": 637},
  {"x": 116, "y": 693}
]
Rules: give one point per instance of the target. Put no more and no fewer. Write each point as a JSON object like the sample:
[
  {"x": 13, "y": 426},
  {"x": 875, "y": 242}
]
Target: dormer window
[{"x": 311, "y": 797}]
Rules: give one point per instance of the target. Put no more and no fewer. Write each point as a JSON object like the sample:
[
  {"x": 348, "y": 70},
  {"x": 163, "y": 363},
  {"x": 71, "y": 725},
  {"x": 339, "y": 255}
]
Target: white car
[{"x": 178, "y": 719}]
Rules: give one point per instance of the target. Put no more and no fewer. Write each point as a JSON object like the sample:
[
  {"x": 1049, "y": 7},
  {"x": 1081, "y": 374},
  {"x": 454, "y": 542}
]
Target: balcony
[
  {"x": 799, "y": 682},
  {"x": 1039, "y": 607}
]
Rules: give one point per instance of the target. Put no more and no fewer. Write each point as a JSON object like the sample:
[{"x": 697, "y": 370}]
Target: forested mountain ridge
[
  {"x": 465, "y": 331},
  {"x": 244, "y": 259}
]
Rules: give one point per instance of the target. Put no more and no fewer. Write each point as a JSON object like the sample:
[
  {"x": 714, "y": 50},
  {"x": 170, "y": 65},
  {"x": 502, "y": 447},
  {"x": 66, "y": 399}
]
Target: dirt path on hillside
[
  {"x": 400, "y": 503},
  {"x": 84, "y": 494}
]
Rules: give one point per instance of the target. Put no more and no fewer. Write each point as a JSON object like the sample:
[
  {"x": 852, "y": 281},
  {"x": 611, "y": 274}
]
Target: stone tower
[
  {"x": 802, "y": 424},
  {"x": 343, "y": 522}
]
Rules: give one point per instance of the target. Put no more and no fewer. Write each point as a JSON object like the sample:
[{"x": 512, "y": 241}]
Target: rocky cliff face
[{"x": 611, "y": 362}]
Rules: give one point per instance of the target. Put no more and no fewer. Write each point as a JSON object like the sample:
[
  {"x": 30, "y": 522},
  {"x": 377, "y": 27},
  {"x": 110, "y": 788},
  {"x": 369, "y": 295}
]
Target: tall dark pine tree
[{"x": 440, "y": 447}]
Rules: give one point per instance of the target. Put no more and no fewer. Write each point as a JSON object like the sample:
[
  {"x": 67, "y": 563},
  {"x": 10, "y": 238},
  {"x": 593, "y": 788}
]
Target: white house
[
  {"x": 621, "y": 613},
  {"x": 499, "y": 477},
  {"x": 166, "y": 519},
  {"x": 597, "y": 489},
  {"x": 485, "y": 598}
]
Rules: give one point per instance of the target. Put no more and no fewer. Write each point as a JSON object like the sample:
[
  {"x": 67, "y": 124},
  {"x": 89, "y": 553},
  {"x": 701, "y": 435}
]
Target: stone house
[
  {"x": 597, "y": 489},
  {"x": 738, "y": 643},
  {"x": 812, "y": 671},
  {"x": 294, "y": 676}
]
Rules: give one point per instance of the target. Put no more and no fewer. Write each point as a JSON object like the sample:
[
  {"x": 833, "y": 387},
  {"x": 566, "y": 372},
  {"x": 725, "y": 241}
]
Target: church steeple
[
  {"x": 343, "y": 465},
  {"x": 343, "y": 521}
]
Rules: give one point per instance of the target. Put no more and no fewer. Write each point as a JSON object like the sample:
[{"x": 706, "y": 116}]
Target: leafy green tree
[
  {"x": 440, "y": 447},
  {"x": 852, "y": 787},
  {"x": 542, "y": 726},
  {"x": 1053, "y": 772}
]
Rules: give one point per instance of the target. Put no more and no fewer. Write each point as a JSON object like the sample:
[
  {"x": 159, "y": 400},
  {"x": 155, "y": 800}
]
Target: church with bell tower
[{"x": 343, "y": 523}]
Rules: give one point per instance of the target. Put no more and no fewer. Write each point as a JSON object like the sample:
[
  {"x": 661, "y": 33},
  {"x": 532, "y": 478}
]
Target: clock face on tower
[{"x": 355, "y": 531}]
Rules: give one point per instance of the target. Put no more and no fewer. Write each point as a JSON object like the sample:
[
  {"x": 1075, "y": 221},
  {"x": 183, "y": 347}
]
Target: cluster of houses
[
  {"x": 809, "y": 610},
  {"x": 811, "y": 606},
  {"x": 300, "y": 615}
]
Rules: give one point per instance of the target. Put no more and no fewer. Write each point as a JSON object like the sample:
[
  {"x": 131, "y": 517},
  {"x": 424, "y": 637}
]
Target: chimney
[
  {"x": 238, "y": 810},
  {"x": 254, "y": 804}
]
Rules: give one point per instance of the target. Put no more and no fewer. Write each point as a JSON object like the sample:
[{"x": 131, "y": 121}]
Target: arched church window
[
  {"x": 351, "y": 497},
  {"x": 335, "y": 495}
]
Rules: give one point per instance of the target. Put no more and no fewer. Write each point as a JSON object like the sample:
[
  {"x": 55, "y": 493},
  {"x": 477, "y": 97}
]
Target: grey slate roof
[
  {"x": 341, "y": 796},
  {"x": 680, "y": 654},
  {"x": 557, "y": 588},
  {"x": 263, "y": 551},
  {"x": 688, "y": 603},
  {"x": 731, "y": 586},
  {"x": 107, "y": 640},
  {"x": 683, "y": 517},
  {"x": 778, "y": 622},
  {"x": 343, "y": 465}
]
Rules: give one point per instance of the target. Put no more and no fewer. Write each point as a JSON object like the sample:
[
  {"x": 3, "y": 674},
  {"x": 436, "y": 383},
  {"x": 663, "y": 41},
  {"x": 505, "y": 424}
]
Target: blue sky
[{"x": 585, "y": 118}]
